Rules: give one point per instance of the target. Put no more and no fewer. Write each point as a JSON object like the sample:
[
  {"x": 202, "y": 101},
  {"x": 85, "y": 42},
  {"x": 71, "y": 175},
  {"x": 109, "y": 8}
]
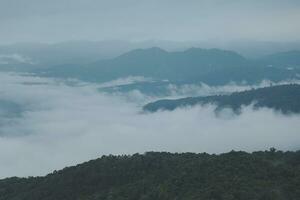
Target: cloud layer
[{"x": 62, "y": 125}]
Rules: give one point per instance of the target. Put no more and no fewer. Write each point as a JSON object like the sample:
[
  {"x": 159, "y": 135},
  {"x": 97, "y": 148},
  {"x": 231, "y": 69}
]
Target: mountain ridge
[
  {"x": 211, "y": 66},
  {"x": 284, "y": 98}
]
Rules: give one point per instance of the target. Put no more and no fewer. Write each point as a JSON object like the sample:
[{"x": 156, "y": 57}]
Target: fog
[
  {"x": 138, "y": 20},
  {"x": 63, "y": 123}
]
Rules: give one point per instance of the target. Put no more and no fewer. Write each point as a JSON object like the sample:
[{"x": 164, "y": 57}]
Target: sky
[{"x": 137, "y": 20}]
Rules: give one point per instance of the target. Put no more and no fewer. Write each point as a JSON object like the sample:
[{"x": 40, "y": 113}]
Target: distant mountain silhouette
[
  {"x": 211, "y": 66},
  {"x": 289, "y": 59}
]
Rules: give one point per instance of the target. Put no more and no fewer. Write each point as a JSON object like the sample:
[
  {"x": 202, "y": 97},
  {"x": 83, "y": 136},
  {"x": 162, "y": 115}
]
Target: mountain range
[
  {"x": 210, "y": 66},
  {"x": 100, "y": 62}
]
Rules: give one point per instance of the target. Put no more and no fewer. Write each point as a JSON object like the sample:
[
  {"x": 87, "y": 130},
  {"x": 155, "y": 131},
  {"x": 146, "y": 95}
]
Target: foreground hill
[
  {"x": 284, "y": 98},
  {"x": 269, "y": 175},
  {"x": 211, "y": 66}
]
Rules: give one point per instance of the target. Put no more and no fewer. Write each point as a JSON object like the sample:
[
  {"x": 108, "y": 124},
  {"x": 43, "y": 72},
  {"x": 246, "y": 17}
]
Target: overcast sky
[{"x": 60, "y": 20}]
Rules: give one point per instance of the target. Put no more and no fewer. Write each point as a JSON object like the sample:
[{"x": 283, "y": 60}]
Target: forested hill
[
  {"x": 269, "y": 175},
  {"x": 284, "y": 98}
]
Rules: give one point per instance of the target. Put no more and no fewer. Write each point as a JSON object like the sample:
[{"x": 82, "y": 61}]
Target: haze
[{"x": 137, "y": 20}]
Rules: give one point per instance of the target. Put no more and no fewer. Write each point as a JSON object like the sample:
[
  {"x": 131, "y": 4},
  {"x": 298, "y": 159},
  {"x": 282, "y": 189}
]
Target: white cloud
[
  {"x": 64, "y": 125},
  {"x": 206, "y": 90},
  {"x": 125, "y": 81},
  {"x": 14, "y": 58}
]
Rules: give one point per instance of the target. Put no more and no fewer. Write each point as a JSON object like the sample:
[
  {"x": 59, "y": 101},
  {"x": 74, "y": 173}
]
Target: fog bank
[{"x": 60, "y": 124}]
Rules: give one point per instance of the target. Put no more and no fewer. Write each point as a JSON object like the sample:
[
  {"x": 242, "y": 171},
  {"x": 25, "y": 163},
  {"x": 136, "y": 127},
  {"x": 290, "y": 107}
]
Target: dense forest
[
  {"x": 284, "y": 98},
  {"x": 268, "y": 175}
]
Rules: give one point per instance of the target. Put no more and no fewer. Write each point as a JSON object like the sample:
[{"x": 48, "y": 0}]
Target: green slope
[{"x": 270, "y": 175}]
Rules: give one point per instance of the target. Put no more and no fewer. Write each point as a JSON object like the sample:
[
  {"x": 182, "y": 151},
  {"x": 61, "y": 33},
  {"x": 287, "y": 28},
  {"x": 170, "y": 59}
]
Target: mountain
[
  {"x": 284, "y": 98},
  {"x": 157, "y": 63},
  {"x": 257, "y": 49},
  {"x": 9, "y": 109},
  {"x": 289, "y": 60},
  {"x": 165, "y": 176},
  {"x": 211, "y": 66},
  {"x": 105, "y": 61},
  {"x": 43, "y": 55}
]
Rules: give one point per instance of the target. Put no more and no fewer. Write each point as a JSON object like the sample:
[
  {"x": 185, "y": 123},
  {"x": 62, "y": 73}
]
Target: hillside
[
  {"x": 163, "y": 176},
  {"x": 285, "y": 98}
]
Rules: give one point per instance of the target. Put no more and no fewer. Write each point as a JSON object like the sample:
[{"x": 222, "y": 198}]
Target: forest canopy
[{"x": 263, "y": 175}]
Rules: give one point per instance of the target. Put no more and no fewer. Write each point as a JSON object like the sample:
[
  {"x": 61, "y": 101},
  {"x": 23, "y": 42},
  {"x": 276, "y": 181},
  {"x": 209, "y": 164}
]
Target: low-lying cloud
[
  {"x": 14, "y": 58},
  {"x": 61, "y": 125},
  {"x": 203, "y": 89}
]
